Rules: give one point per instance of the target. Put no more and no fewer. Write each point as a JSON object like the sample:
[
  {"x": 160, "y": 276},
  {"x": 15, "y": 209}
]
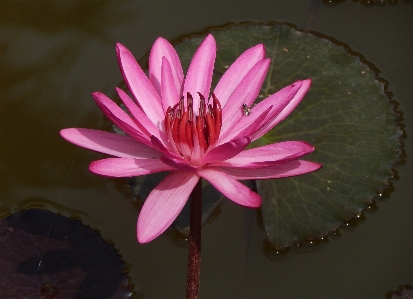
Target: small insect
[{"x": 246, "y": 110}]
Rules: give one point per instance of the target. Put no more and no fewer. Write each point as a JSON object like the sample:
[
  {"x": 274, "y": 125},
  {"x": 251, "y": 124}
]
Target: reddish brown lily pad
[
  {"x": 403, "y": 292},
  {"x": 48, "y": 256}
]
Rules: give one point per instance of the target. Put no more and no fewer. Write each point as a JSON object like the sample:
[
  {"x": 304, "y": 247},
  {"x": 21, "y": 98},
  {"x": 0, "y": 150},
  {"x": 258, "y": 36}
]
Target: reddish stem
[{"x": 194, "y": 255}]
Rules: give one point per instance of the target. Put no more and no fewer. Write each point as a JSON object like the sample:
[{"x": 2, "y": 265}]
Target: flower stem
[{"x": 194, "y": 255}]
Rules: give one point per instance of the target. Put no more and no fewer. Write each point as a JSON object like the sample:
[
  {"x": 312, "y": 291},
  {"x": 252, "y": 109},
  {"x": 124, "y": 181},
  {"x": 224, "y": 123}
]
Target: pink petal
[
  {"x": 158, "y": 145},
  {"x": 267, "y": 155},
  {"x": 119, "y": 117},
  {"x": 144, "y": 123},
  {"x": 169, "y": 91},
  {"x": 109, "y": 143},
  {"x": 247, "y": 125},
  {"x": 245, "y": 93},
  {"x": 226, "y": 150},
  {"x": 160, "y": 49},
  {"x": 199, "y": 75},
  {"x": 164, "y": 204},
  {"x": 293, "y": 168},
  {"x": 231, "y": 188},
  {"x": 127, "y": 167},
  {"x": 140, "y": 86},
  {"x": 285, "y": 106},
  {"x": 176, "y": 163},
  {"x": 238, "y": 70}
]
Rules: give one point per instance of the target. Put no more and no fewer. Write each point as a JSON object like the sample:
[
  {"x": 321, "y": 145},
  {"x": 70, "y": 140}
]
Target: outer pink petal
[
  {"x": 139, "y": 85},
  {"x": 245, "y": 93},
  {"x": 164, "y": 204},
  {"x": 127, "y": 167},
  {"x": 162, "y": 48},
  {"x": 231, "y": 188},
  {"x": 238, "y": 70},
  {"x": 272, "y": 172},
  {"x": 169, "y": 91},
  {"x": 199, "y": 75},
  {"x": 119, "y": 117},
  {"x": 109, "y": 143},
  {"x": 281, "y": 152},
  {"x": 226, "y": 150},
  {"x": 285, "y": 108}
]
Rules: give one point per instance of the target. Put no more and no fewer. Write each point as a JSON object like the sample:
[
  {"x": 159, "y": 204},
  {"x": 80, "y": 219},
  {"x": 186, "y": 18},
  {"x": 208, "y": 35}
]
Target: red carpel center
[{"x": 191, "y": 135}]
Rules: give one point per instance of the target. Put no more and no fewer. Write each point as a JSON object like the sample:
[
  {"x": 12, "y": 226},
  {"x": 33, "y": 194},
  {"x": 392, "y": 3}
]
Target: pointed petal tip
[
  {"x": 266, "y": 62},
  {"x": 209, "y": 36},
  {"x": 100, "y": 98},
  {"x": 307, "y": 83},
  {"x": 67, "y": 133},
  {"x": 121, "y": 92},
  {"x": 254, "y": 201},
  {"x": 119, "y": 48},
  {"x": 255, "y": 53},
  {"x": 307, "y": 146},
  {"x": 143, "y": 236},
  {"x": 97, "y": 95},
  {"x": 308, "y": 166},
  {"x": 261, "y": 47},
  {"x": 160, "y": 41},
  {"x": 317, "y": 166},
  {"x": 62, "y": 132},
  {"x": 94, "y": 166},
  {"x": 210, "y": 42}
]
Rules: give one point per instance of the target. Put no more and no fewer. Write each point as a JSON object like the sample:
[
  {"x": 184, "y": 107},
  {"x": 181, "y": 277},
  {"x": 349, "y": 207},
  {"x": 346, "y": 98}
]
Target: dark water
[{"x": 55, "y": 53}]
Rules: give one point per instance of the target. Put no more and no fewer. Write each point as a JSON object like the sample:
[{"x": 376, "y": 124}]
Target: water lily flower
[{"x": 174, "y": 124}]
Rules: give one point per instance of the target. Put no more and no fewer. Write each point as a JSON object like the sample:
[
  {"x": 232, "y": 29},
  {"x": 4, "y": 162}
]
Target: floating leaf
[
  {"x": 346, "y": 115},
  {"x": 48, "y": 256},
  {"x": 402, "y": 292}
]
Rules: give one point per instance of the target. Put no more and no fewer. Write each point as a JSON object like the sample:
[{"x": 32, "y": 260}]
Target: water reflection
[
  {"x": 92, "y": 18},
  {"x": 47, "y": 53}
]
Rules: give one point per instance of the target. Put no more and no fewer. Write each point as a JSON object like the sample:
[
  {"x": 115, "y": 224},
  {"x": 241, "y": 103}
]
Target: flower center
[{"x": 191, "y": 135}]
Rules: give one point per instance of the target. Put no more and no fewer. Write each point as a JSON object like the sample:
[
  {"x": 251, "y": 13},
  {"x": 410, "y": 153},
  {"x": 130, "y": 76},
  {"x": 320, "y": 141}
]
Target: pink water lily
[{"x": 175, "y": 125}]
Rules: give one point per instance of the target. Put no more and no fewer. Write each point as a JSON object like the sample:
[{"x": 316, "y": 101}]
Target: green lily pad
[{"x": 346, "y": 115}]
